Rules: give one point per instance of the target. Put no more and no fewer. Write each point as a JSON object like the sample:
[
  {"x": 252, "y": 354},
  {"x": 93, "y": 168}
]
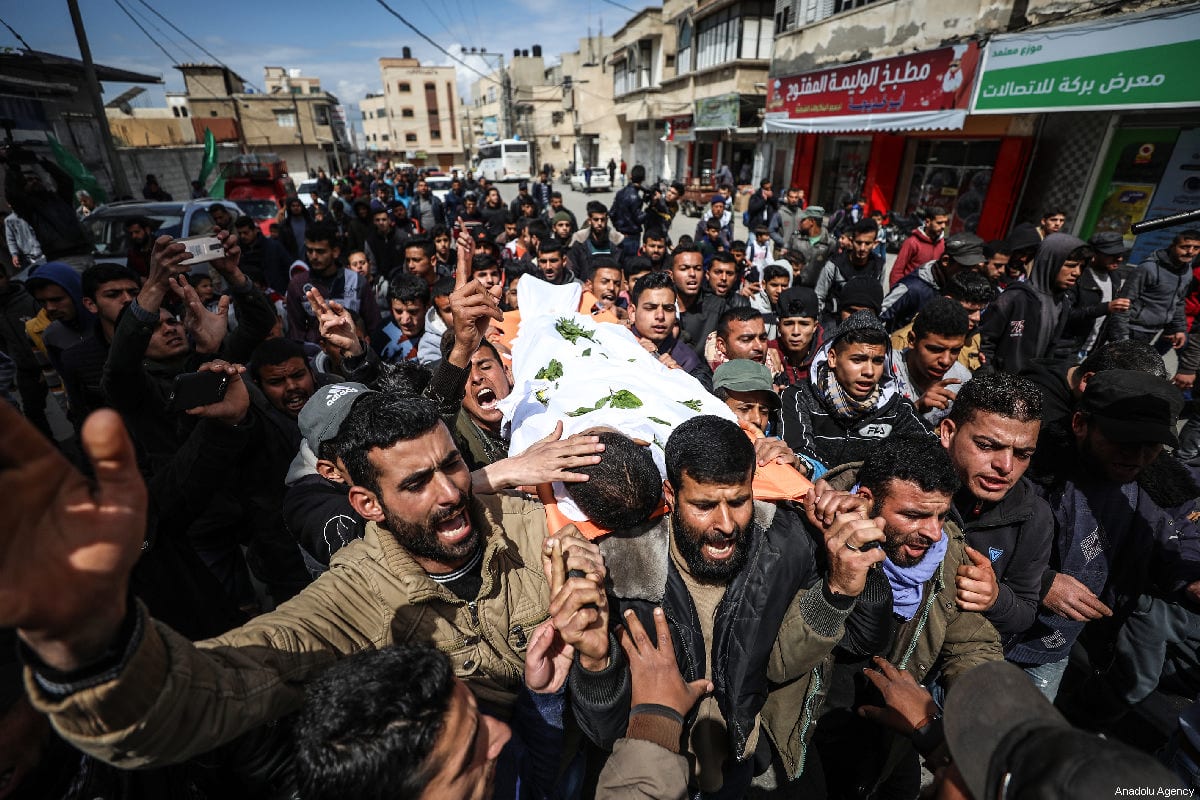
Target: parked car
[
  {"x": 305, "y": 191},
  {"x": 599, "y": 182},
  {"x": 439, "y": 185},
  {"x": 106, "y": 224}
]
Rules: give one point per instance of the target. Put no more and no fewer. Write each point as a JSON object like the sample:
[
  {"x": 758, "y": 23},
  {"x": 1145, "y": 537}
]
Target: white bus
[{"x": 506, "y": 160}]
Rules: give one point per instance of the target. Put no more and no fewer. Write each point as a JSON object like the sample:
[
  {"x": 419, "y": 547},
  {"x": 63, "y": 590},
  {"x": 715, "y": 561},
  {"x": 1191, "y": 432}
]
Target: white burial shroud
[{"x": 602, "y": 378}]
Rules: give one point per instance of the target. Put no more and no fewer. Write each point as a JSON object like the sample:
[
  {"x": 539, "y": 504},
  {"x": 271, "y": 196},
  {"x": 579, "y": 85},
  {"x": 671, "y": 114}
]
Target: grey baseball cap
[{"x": 323, "y": 414}]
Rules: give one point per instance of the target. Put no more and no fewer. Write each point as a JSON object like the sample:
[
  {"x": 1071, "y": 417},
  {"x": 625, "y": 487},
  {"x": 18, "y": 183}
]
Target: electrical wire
[
  {"x": 14, "y": 33},
  {"x": 619, "y": 5},
  {"x": 154, "y": 41},
  {"x": 197, "y": 45},
  {"x": 162, "y": 35},
  {"x": 431, "y": 42}
]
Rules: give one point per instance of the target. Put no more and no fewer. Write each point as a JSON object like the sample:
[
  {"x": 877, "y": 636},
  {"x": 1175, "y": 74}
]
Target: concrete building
[
  {"x": 989, "y": 109},
  {"x": 587, "y": 98},
  {"x": 415, "y": 119},
  {"x": 41, "y": 96},
  {"x": 540, "y": 106},
  {"x": 294, "y": 118}
]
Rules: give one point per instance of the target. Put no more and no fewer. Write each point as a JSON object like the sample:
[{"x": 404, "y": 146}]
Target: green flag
[
  {"x": 210, "y": 156},
  {"x": 82, "y": 178},
  {"x": 218, "y": 188}
]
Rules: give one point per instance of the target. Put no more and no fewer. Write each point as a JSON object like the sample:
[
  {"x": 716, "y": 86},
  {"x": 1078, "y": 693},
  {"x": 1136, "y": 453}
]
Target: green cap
[
  {"x": 813, "y": 212},
  {"x": 744, "y": 375}
]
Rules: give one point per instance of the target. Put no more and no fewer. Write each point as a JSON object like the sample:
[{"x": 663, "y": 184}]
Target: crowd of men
[{"x": 287, "y": 551}]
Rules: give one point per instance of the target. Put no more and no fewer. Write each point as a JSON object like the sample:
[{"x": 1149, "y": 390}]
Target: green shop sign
[{"x": 1146, "y": 62}]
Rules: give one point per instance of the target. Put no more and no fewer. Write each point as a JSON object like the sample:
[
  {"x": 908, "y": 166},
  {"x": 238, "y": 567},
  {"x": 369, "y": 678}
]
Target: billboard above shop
[
  {"x": 922, "y": 91},
  {"x": 1111, "y": 65}
]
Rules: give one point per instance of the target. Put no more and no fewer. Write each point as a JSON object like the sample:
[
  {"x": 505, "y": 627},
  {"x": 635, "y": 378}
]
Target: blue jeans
[{"x": 1048, "y": 677}]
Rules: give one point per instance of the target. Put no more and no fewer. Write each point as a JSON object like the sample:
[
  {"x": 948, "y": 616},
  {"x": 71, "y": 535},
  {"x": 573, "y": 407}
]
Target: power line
[
  {"x": 154, "y": 41},
  {"x": 14, "y": 33},
  {"x": 434, "y": 44},
  {"x": 197, "y": 45},
  {"x": 146, "y": 18},
  {"x": 618, "y": 5}
]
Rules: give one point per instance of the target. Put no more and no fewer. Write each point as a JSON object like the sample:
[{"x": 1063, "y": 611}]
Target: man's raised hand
[
  {"x": 335, "y": 323},
  {"x": 976, "y": 587},
  {"x": 653, "y": 671},
  {"x": 235, "y": 405},
  {"x": 207, "y": 328},
  {"x": 67, "y": 546}
]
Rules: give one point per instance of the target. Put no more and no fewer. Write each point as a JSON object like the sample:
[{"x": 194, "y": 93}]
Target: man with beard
[
  {"x": 722, "y": 275},
  {"x": 748, "y": 609},
  {"x": 262, "y": 254},
  {"x": 928, "y": 373},
  {"x": 554, "y": 208},
  {"x": 905, "y": 487},
  {"x": 552, "y": 264},
  {"x": 654, "y": 314},
  {"x": 139, "y": 232},
  {"x": 813, "y": 243},
  {"x": 654, "y": 247},
  {"x": 596, "y": 238},
  {"x": 436, "y": 564}
]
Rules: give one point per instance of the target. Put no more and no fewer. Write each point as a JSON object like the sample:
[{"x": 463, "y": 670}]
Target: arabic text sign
[
  {"x": 1146, "y": 63},
  {"x": 937, "y": 80}
]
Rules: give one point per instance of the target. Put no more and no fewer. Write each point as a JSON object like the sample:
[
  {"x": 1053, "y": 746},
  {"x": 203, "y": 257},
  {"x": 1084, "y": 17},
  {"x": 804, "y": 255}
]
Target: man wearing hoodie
[
  {"x": 1156, "y": 289},
  {"x": 58, "y": 287},
  {"x": 1027, "y": 320},
  {"x": 849, "y": 403},
  {"x": 962, "y": 251},
  {"x": 858, "y": 261},
  {"x": 926, "y": 243}
]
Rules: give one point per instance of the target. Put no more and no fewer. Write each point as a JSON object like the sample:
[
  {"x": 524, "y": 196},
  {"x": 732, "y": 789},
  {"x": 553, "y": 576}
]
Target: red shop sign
[{"x": 937, "y": 80}]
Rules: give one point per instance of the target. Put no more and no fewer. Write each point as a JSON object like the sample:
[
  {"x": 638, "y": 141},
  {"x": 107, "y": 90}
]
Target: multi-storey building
[{"x": 415, "y": 119}]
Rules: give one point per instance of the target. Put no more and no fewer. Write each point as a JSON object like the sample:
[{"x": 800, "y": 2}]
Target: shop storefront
[
  {"x": 1141, "y": 70},
  {"x": 680, "y": 134},
  {"x": 896, "y": 131},
  {"x": 727, "y": 133}
]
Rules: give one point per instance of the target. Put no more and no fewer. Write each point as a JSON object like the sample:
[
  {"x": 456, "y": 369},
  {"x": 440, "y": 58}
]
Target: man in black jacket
[
  {"x": 850, "y": 402},
  {"x": 991, "y": 435},
  {"x": 1095, "y": 294},
  {"x": 628, "y": 215},
  {"x": 699, "y": 309},
  {"x": 739, "y": 586},
  {"x": 263, "y": 255}
]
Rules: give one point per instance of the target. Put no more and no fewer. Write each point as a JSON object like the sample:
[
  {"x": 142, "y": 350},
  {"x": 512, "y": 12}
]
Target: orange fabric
[
  {"x": 778, "y": 481},
  {"x": 556, "y": 520}
]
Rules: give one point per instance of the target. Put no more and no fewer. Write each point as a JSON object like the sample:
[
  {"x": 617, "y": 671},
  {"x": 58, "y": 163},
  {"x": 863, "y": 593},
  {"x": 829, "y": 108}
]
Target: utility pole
[
  {"x": 286, "y": 83},
  {"x": 120, "y": 182},
  {"x": 506, "y": 97}
]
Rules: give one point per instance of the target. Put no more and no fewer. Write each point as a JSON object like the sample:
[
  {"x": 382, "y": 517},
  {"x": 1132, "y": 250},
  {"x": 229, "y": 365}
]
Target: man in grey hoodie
[{"x": 1027, "y": 320}]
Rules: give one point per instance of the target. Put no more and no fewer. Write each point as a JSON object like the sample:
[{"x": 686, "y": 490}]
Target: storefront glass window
[
  {"x": 953, "y": 175},
  {"x": 843, "y": 170}
]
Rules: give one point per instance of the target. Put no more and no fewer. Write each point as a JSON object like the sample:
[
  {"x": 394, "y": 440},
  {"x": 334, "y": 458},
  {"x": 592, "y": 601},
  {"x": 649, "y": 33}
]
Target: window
[
  {"x": 200, "y": 223},
  {"x": 743, "y": 31},
  {"x": 683, "y": 58},
  {"x": 516, "y": 147},
  {"x": 404, "y": 87},
  {"x": 407, "y": 113},
  {"x": 383, "y": 138},
  {"x": 435, "y": 135},
  {"x": 845, "y": 5},
  {"x": 284, "y": 119},
  {"x": 175, "y": 111},
  {"x": 489, "y": 151},
  {"x": 410, "y": 137},
  {"x": 556, "y": 117},
  {"x": 379, "y": 113},
  {"x": 365, "y": 114},
  {"x": 314, "y": 89},
  {"x": 321, "y": 115}
]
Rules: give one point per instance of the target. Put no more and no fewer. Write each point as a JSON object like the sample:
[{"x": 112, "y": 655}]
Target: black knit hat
[
  {"x": 860, "y": 321},
  {"x": 861, "y": 293}
]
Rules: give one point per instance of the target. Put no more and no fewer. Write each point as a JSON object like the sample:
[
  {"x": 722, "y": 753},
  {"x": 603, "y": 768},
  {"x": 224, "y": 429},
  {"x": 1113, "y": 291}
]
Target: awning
[
  {"x": 904, "y": 121},
  {"x": 1141, "y": 61},
  {"x": 919, "y": 92}
]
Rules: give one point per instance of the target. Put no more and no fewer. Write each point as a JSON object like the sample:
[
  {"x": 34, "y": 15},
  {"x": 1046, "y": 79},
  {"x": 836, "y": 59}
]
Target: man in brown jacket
[{"x": 436, "y": 564}]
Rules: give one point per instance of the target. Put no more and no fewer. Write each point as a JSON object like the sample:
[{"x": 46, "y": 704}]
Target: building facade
[
  {"x": 913, "y": 105},
  {"x": 415, "y": 119},
  {"x": 293, "y": 118}
]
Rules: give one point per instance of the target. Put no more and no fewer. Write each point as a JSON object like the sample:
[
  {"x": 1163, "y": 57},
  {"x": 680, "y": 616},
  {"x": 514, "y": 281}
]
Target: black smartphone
[{"x": 194, "y": 389}]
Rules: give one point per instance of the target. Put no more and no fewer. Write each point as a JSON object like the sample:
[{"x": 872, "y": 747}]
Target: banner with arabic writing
[
  {"x": 936, "y": 80},
  {"x": 1144, "y": 63}
]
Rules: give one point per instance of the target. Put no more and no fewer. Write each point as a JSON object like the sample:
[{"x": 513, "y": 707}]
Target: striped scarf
[{"x": 843, "y": 405}]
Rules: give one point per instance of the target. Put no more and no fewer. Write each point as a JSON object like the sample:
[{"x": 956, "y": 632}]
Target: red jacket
[
  {"x": 1191, "y": 303},
  {"x": 917, "y": 249}
]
